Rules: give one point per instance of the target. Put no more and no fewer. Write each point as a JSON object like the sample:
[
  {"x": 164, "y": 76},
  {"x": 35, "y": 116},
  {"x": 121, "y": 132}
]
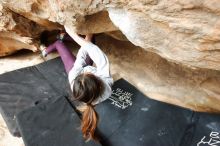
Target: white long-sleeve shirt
[{"x": 101, "y": 70}]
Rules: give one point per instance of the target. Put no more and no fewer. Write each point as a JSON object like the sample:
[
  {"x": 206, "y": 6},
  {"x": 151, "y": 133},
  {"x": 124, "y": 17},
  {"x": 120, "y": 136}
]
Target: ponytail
[
  {"x": 88, "y": 88},
  {"x": 89, "y": 122}
]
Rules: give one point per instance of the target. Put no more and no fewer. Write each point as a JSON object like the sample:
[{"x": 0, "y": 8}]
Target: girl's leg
[
  {"x": 51, "y": 48},
  {"x": 68, "y": 38},
  {"x": 66, "y": 55}
]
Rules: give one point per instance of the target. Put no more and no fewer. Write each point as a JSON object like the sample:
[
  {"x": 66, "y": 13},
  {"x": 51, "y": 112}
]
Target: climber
[{"x": 90, "y": 85}]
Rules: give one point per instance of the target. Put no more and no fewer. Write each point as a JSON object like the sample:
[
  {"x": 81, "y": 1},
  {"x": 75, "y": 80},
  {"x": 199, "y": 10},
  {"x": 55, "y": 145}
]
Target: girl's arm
[
  {"x": 94, "y": 52},
  {"x": 79, "y": 40}
]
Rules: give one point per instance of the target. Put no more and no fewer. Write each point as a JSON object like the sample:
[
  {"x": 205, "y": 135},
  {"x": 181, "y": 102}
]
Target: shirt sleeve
[
  {"x": 78, "y": 65},
  {"x": 99, "y": 58}
]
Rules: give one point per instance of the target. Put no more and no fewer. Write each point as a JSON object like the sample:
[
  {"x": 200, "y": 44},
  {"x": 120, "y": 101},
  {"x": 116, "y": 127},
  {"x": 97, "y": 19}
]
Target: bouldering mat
[
  {"x": 53, "y": 123},
  {"x": 127, "y": 118},
  {"x": 25, "y": 87}
]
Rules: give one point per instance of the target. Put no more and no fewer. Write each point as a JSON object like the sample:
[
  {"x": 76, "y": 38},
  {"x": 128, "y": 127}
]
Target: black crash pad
[
  {"x": 206, "y": 130},
  {"x": 53, "y": 123},
  {"x": 23, "y": 88},
  {"x": 128, "y": 118},
  {"x": 140, "y": 121}
]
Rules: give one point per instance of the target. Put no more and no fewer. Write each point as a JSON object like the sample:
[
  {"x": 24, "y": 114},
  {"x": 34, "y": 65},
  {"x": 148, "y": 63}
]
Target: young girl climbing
[{"x": 90, "y": 85}]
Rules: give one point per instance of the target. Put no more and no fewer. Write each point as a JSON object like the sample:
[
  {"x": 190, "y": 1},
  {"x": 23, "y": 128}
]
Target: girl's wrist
[{"x": 89, "y": 37}]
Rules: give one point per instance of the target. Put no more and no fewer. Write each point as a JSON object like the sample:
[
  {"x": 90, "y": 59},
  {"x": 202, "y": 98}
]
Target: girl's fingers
[{"x": 88, "y": 37}]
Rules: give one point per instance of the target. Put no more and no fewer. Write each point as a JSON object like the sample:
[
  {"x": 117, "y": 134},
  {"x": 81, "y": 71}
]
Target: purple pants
[{"x": 66, "y": 55}]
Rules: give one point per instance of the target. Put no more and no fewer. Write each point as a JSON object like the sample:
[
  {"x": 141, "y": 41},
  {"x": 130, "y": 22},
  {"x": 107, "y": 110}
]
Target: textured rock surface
[
  {"x": 185, "y": 32},
  {"x": 16, "y": 32},
  {"x": 198, "y": 89}
]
